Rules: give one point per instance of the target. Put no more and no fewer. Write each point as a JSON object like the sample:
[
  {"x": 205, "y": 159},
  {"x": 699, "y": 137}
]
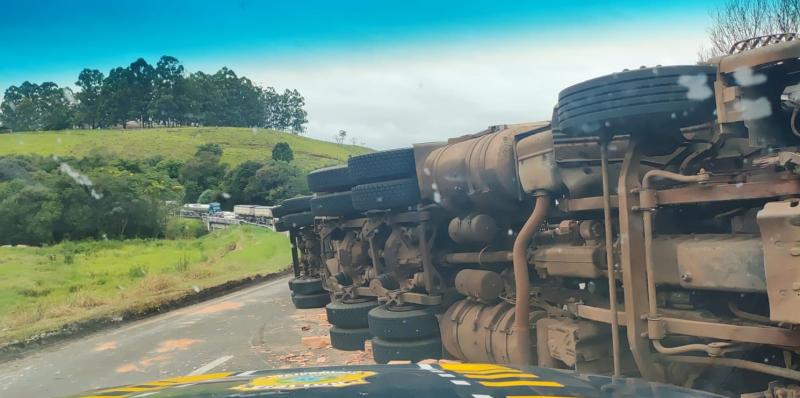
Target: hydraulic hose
[{"x": 522, "y": 283}]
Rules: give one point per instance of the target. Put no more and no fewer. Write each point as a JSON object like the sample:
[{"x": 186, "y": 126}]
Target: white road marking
[
  {"x": 248, "y": 373},
  {"x": 481, "y": 396},
  {"x": 425, "y": 366},
  {"x": 445, "y": 375},
  {"x": 460, "y": 382},
  {"x": 211, "y": 365}
]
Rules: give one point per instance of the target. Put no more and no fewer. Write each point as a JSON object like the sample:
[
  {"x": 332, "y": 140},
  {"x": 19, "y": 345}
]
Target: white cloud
[{"x": 399, "y": 96}]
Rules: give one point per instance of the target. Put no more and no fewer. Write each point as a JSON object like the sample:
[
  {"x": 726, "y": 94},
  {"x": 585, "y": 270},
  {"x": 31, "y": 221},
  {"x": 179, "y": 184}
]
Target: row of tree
[
  {"x": 162, "y": 95},
  {"x": 46, "y": 199}
]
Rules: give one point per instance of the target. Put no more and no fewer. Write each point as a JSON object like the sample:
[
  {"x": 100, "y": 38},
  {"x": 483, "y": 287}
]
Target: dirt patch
[
  {"x": 107, "y": 346},
  {"x": 313, "y": 347},
  {"x": 176, "y": 344},
  {"x": 219, "y": 307}
]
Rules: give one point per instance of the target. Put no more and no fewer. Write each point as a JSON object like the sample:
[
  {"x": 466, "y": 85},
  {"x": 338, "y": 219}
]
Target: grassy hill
[{"x": 240, "y": 144}]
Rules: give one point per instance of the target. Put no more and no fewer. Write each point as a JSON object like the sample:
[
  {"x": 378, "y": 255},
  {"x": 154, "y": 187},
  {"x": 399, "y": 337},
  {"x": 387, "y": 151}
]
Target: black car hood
[{"x": 402, "y": 381}]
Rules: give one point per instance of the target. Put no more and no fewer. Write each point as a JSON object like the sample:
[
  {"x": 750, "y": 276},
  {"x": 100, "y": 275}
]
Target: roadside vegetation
[{"x": 44, "y": 288}]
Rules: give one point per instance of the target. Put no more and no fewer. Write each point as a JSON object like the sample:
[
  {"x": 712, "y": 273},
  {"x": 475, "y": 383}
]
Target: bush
[{"x": 184, "y": 228}]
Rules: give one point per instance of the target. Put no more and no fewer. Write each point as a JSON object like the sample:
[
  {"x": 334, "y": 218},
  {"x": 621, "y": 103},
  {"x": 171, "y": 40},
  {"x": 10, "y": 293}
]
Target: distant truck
[
  {"x": 253, "y": 213},
  {"x": 198, "y": 210}
]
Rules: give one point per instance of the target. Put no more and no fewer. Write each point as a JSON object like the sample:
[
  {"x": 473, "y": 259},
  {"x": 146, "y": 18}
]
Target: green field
[
  {"x": 44, "y": 288},
  {"x": 239, "y": 144}
]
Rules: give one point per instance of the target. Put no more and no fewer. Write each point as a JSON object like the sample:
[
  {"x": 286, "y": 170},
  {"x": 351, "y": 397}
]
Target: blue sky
[{"x": 372, "y": 68}]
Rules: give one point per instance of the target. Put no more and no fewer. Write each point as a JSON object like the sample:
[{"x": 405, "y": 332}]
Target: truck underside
[{"x": 652, "y": 228}]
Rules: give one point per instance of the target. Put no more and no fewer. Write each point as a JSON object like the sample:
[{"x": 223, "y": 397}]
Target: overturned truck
[{"x": 651, "y": 228}]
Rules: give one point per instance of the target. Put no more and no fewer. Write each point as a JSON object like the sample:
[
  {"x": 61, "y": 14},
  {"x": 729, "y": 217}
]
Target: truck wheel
[
  {"x": 333, "y": 205},
  {"x": 394, "y": 194},
  {"x": 403, "y": 323},
  {"x": 657, "y": 101},
  {"x": 384, "y": 351},
  {"x": 298, "y": 220},
  {"x": 306, "y": 301},
  {"x": 280, "y": 226},
  {"x": 349, "y": 315},
  {"x": 382, "y": 166},
  {"x": 306, "y": 285},
  {"x": 293, "y": 205},
  {"x": 349, "y": 339},
  {"x": 329, "y": 179}
]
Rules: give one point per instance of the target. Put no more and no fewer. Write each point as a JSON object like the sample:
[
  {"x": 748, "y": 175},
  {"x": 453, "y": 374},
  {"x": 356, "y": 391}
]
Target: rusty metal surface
[
  {"x": 699, "y": 194},
  {"x": 632, "y": 262},
  {"x": 537, "y": 163},
  {"x": 722, "y": 331},
  {"x": 476, "y": 174},
  {"x": 759, "y": 56},
  {"x": 480, "y": 258},
  {"x": 485, "y": 334},
  {"x": 480, "y": 285},
  {"x": 710, "y": 262},
  {"x": 584, "y": 261},
  {"x": 780, "y": 234},
  {"x": 761, "y": 41},
  {"x": 720, "y": 262},
  {"x": 713, "y": 328},
  {"x": 472, "y": 229},
  {"x": 573, "y": 341}
]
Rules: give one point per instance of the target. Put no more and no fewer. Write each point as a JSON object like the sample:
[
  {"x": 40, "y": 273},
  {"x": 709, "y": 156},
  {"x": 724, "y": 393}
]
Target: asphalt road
[{"x": 254, "y": 328}]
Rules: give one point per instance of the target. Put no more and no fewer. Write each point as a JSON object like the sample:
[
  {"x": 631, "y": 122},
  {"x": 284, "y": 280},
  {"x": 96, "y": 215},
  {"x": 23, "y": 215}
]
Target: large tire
[
  {"x": 409, "y": 324},
  {"x": 394, "y": 194},
  {"x": 338, "y": 204},
  {"x": 330, "y": 179},
  {"x": 280, "y": 226},
  {"x": 293, "y": 205},
  {"x": 306, "y": 301},
  {"x": 350, "y": 315},
  {"x": 298, "y": 220},
  {"x": 349, "y": 339},
  {"x": 382, "y": 166},
  {"x": 306, "y": 285},
  {"x": 384, "y": 351},
  {"x": 655, "y": 101}
]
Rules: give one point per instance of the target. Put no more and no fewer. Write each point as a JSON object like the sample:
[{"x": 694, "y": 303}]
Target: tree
[
  {"x": 282, "y": 152},
  {"x": 237, "y": 180},
  {"x": 54, "y": 106},
  {"x": 284, "y": 111},
  {"x": 202, "y": 172},
  {"x": 169, "y": 89},
  {"x": 116, "y": 100},
  {"x": 141, "y": 89},
  {"x": 276, "y": 181},
  {"x": 36, "y": 107},
  {"x": 87, "y": 112},
  {"x": 340, "y": 136},
  {"x": 738, "y": 20},
  {"x": 210, "y": 147}
]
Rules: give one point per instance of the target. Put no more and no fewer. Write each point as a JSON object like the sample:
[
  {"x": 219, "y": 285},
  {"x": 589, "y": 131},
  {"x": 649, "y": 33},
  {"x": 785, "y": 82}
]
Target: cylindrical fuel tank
[
  {"x": 474, "y": 173},
  {"x": 475, "y": 332}
]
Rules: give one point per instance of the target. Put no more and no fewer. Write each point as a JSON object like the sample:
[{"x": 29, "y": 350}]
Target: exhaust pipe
[{"x": 522, "y": 284}]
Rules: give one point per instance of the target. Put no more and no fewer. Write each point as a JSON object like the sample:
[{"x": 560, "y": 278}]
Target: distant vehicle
[
  {"x": 198, "y": 210},
  {"x": 261, "y": 215}
]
